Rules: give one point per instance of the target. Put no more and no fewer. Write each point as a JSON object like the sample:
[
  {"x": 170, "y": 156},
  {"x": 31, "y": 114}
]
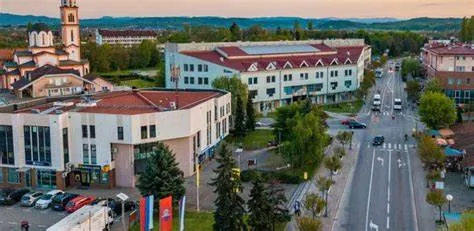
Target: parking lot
[{"x": 11, "y": 216}]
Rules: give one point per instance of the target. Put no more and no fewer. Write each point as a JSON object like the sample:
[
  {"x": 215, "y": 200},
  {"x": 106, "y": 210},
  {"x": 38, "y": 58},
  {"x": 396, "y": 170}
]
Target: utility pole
[{"x": 197, "y": 181}]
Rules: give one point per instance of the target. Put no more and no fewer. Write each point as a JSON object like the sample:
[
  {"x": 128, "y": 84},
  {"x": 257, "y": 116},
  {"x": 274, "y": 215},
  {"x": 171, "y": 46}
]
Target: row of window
[
  {"x": 200, "y": 80},
  {"x": 310, "y": 88},
  {"x": 144, "y": 131},
  {"x": 37, "y": 145},
  {"x": 13, "y": 176},
  {"x": 303, "y": 76},
  {"x": 200, "y": 67},
  {"x": 86, "y": 158},
  {"x": 451, "y": 81}
]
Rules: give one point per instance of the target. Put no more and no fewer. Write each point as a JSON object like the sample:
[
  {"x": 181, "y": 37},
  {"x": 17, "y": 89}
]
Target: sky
[{"x": 250, "y": 8}]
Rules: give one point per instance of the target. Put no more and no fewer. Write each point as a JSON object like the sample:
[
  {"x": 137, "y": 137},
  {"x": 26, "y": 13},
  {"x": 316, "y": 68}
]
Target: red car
[
  {"x": 78, "y": 203},
  {"x": 347, "y": 121}
]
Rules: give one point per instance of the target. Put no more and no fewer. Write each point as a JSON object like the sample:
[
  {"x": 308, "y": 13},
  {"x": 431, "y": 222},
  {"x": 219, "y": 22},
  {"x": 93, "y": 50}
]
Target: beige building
[
  {"x": 105, "y": 140},
  {"x": 126, "y": 38},
  {"x": 453, "y": 65}
]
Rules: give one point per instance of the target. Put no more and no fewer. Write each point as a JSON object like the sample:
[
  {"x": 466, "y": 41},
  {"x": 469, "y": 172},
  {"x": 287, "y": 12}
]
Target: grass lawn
[
  {"x": 198, "y": 221},
  {"x": 345, "y": 107},
  {"x": 253, "y": 140},
  {"x": 126, "y": 72},
  {"x": 138, "y": 83}
]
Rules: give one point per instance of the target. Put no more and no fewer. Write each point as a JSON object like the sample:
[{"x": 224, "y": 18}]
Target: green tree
[
  {"x": 429, "y": 152},
  {"x": 413, "y": 89},
  {"x": 436, "y": 198},
  {"x": 433, "y": 85},
  {"x": 233, "y": 85},
  {"x": 160, "y": 78},
  {"x": 250, "y": 112},
  {"x": 235, "y": 32},
  {"x": 324, "y": 185},
  {"x": 239, "y": 125},
  {"x": 464, "y": 32},
  {"x": 140, "y": 55},
  {"x": 344, "y": 137},
  {"x": 333, "y": 164},
  {"x": 315, "y": 204},
  {"x": 230, "y": 209},
  {"x": 310, "y": 25},
  {"x": 162, "y": 176},
  {"x": 437, "y": 110},
  {"x": 259, "y": 207},
  {"x": 339, "y": 151},
  {"x": 298, "y": 32},
  {"x": 467, "y": 221},
  {"x": 278, "y": 211},
  {"x": 471, "y": 29},
  {"x": 308, "y": 224},
  {"x": 119, "y": 58}
]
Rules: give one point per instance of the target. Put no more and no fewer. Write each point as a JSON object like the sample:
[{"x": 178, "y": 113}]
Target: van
[{"x": 377, "y": 100}]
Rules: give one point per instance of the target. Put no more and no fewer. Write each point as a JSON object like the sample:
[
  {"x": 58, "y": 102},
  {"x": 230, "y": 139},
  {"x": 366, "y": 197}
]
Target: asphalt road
[{"x": 381, "y": 196}]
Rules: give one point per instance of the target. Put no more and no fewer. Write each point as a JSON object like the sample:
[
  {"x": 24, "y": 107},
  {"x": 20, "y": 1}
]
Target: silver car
[{"x": 30, "y": 199}]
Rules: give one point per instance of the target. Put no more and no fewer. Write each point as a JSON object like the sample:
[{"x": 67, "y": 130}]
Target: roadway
[{"x": 381, "y": 195}]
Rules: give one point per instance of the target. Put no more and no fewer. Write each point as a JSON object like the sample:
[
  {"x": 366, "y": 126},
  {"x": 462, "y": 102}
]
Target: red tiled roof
[
  {"x": 450, "y": 49},
  {"x": 243, "y": 64},
  {"x": 127, "y": 33},
  {"x": 6, "y": 54},
  {"x": 233, "y": 51},
  {"x": 136, "y": 102}
]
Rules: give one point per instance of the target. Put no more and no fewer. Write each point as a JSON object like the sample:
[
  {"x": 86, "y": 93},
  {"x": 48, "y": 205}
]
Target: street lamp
[
  {"x": 123, "y": 197},
  {"x": 449, "y": 197}
]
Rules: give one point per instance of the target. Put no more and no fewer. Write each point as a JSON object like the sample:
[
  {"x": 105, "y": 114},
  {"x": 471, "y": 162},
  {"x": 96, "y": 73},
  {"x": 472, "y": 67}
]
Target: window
[
  {"x": 1, "y": 176},
  {"x": 13, "y": 176},
  {"x": 468, "y": 81},
  {"x": 348, "y": 72},
  {"x": 467, "y": 94},
  {"x": 460, "y": 68},
  {"x": 120, "y": 133},
  {"x": 206, "y": 80},
  {"x": 152, "y": 131},
  {"x": 450, "y": 81},
  {"x": 459, "y": 81},
  {"x": 199, "y": 80},
  {"x": 186, "y": 67},
  {"x": 303, "y": 76},
  {"x": 37, "y": 145},
  {"x": 206, "y": 68},
  {"x": 65, "y": 146},
  {"x": 253, "y": 94},
  {"x": 191, "y": 80},
  {"x": 271, "y": 79},
  {"x": 199, "y": 67},
  {"x": 268, "y": 79},
  {"x": 85, "y": 153},
  {"x": 255, "y": 80},
  {"x": 270, "y": 92},
  {"x": 333, "y": 85},
  {"x": 93, "y": 154},
  {"x": 250, "y": 81},
  {"x": 72, "y": 36},
  {"x": 457, "y": 94},
  {"x": 6, "y": 145},
  {"x": 198, "y": 139},
  {"x": 348, "y": 83},
  {"x": 144, "y": 132},
  {"x": 191, "y": 67},
  {"x": 84, "y": 131},
  {"x": 92, "y": 131},
  {"x": 186, "y": 80},
  {"x": 71, "y": 18},
  {"x": 288, "y": 77}
]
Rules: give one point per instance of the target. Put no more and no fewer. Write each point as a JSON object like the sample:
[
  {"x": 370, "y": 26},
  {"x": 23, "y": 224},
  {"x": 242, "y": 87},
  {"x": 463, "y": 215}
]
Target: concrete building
[
  {"x": 44, "y": 69},
  {"x": 126, "y": 38},
  {"x": 453, "y": 65},
  {"x": 277, "y": 73},
  {"x": 104, "y": 140}
]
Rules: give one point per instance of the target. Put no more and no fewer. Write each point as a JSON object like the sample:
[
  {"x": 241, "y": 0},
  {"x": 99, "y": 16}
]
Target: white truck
[{"x": 89, "y": 217}]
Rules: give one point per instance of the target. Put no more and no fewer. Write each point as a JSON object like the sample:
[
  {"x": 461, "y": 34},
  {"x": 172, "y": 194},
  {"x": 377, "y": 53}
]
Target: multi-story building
[
  {"x": 277, "y": 73},
  {"x": 44, "y": 69},
  {"x": 126, "y": 38},
  {"x": 105, "y": 140},
  {"x": 453, "y": 65}
]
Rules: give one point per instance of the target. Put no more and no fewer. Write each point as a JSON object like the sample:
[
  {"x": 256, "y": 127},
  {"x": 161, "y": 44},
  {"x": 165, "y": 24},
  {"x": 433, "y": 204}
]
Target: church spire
[{"x": 70, "y": 28}]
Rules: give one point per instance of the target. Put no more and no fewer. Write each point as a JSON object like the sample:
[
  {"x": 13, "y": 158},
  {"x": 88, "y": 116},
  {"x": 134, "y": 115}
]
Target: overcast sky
[{"x": 250, "y": 8}]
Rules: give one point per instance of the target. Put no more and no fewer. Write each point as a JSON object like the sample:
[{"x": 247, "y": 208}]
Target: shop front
[
  {"x": 46, "y": 179},
  {"x": 86, "y": 175}
]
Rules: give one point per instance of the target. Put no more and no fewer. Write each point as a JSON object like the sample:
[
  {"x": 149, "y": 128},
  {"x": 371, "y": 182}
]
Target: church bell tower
[{"x": 70, "y": 29}]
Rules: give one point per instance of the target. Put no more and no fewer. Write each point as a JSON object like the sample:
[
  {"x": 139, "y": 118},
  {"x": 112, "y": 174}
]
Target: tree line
[
  {"x": 108, "y": 58},
  {"x": 466, "y": 34}
]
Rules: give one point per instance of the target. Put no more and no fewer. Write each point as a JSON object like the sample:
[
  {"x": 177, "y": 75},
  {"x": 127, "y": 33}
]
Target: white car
[
  {"x": 377, "y": 101},
  {"x": 45, "y": 201},
  {"x": 397, "y": 104}
]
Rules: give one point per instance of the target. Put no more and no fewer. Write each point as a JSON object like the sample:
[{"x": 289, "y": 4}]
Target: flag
[
  {"x": 166, "y": 214},
  {"x": 146, "y": 213},
  {"x": 182, "y": 204}
]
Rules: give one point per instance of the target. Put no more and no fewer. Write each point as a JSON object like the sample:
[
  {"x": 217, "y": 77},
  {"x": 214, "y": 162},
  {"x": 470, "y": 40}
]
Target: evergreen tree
[
  {"x": 162, "y": 176},
  {"x": 310, "y": 25},
  {"x": 250, "y": 122},
  {"x": 471, "y": 29},
  {"x": 235, "y": 31},
  {"x": 239, "y": 125},
  {"x": 464, "y": 32},
  {"x": 259, "y": 207},
  {"x": 298, "y": 33},
  {"x": 278, "y": 212},
  {"x": 229, "y": 212}
]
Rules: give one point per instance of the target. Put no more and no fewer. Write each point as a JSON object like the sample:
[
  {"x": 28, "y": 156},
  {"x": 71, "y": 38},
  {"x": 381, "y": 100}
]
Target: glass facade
[
  {"x": 85, "y": 153},
  {"x": 65, "y": 146},
  {"x": 13, "y": 176},
  {"x": 93, "y": 154},
  {"x": 46, "y": 179},
  {"x": 37, "y": 145},
  {"x": 6, "y": 145},
  {"x": 1, "y": 175},
  {"x": 141, "y": 154}
]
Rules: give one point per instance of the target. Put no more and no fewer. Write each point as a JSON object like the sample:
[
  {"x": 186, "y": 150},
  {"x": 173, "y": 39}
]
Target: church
[{"x": 46, "y": 69}]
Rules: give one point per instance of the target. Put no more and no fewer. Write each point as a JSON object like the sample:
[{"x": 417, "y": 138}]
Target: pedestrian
[
  {"x": 24, "y": 225},
  {"x": 297, "y": 207}
]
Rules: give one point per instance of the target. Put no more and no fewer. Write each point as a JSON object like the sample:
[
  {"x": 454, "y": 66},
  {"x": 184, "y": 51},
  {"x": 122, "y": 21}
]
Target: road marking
[
  {"x": 42, "y": 226},
  {"x": 380, "y": 159},
  {"x": 388, "y": 222},
  {"x": 389, "y": 145},
  {"x": 373, "y": 226},
  {"x": 406, "y": 147},
  {"x": 370, "y": 190},
  {"x": 400, "y": 146},
  {"x": 388, "y": 208},
  {"x": 384, "y": 145},
  {"x": 12, "y": 223},
  {"x": 412, "y": 194}
]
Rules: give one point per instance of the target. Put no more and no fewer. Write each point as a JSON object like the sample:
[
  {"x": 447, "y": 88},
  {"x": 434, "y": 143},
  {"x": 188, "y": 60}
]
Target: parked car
[
  {"x": 11, "y": 196},
  {"x": 376, "y": 108},
  {"x": 45, "y": 201},
  {"x": 59, "y": 201},
  {"x": 347, "y": 121},
  {"x": 30, "y": 198},
  {"x": 356, "y": 124},
  {"x": 259, "y": 124},
  {"x": 78, "y": 203},
  {"x": 378, "y": 140}
]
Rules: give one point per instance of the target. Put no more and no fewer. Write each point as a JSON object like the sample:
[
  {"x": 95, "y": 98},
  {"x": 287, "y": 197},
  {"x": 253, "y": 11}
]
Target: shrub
[{"x": 284, "y": 177}]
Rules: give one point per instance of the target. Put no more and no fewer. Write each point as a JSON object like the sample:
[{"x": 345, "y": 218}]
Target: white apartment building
[
  {"x": 126, "y": 38},
  {"x": 277, "y": 73},
  {"x": 104, "y": 140}
]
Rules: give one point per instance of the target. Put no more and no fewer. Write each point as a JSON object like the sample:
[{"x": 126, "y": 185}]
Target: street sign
[{"x": 122, "y": 196}]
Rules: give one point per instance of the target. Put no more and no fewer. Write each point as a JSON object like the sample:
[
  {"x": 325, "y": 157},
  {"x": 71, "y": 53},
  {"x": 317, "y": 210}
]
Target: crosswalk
[{"x": 391, "y": 146}]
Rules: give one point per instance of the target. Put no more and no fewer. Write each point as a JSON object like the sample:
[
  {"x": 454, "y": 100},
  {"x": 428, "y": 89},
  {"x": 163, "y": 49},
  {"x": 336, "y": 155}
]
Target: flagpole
[{"x": 197, "y": 185}]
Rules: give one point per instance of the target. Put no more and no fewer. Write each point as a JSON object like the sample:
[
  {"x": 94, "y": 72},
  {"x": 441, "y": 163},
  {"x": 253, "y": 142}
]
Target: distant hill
[{"x": 418, "y": 24}]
